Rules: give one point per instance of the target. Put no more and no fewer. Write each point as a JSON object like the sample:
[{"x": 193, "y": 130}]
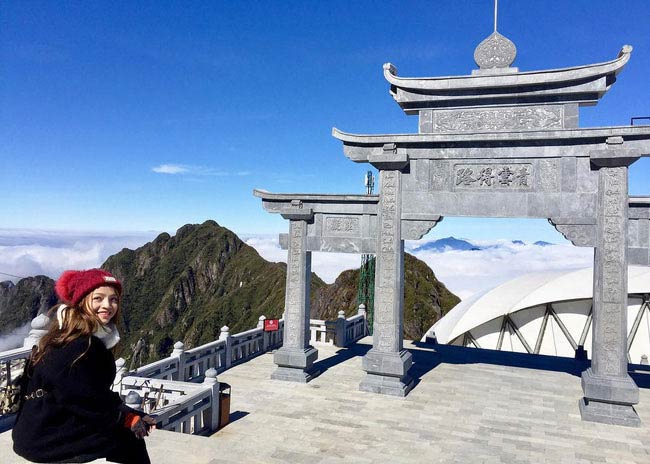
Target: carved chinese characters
[
  {"x": 296, "y": 275},
  {"x": 342, "y": 225},
  {"x": 549, "y": 180},
  {"x": 389, "y": 264},
  {"x": 613, "y": 245},
  {"x": 493, "y": 176},
  {"x": 612, "y": 292}
]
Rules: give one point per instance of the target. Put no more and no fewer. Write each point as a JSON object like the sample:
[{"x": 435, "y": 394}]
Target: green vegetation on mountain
[
  {"x": 188, "y": 286},
  {"x": 426, "y": 299},
  {"x": 21, "y": 302}
]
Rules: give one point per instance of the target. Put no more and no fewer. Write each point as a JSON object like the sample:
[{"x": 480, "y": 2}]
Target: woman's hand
[
  {"x": 150, "y": 422},
  {"x": 141, "y": 428}
]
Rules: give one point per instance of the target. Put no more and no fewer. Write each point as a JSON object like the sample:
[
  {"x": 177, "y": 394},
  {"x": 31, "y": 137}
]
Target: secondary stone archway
[
  {"x": 328, "y": 223},
  {"x": 503, "y": 143}
]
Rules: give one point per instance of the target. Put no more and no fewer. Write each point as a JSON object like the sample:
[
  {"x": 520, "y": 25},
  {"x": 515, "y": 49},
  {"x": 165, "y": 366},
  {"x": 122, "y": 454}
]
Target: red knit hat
[{"x": 72, "y": 286}]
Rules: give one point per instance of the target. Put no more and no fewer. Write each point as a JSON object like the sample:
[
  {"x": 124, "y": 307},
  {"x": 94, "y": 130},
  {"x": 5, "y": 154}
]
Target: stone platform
[{"x": 468, "y": 406}]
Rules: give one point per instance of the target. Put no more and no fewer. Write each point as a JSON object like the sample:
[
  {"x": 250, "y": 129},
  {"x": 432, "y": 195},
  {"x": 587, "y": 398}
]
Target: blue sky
[{"x": 225, "y": 96}]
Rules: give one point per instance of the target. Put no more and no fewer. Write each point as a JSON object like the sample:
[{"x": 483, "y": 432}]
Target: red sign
[{"x": 271, "y": 325}]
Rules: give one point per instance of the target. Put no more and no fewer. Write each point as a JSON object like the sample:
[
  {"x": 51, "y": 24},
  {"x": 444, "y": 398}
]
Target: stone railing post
[
  {"x": 225, "y": 335},
  {"x": 39, "y": 328},
  {"x": 179, "y": 352},
  {"x": 265, "y": 337},
  {"x": 296, "y": 357},
  {"x": 211, "y": 415},
  {"x": 120, "y": 371},
  {"x": 340, "y": 334},
  {"x": 609, "y": 392},
  {"x": 361, "y": 311},
  {"x": 133, "y": 400},
  {"x": 260, "y": 321}
]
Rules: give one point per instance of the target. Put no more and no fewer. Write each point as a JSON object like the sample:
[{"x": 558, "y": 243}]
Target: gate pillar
[
  {"x": 387, "y": 363},
  {"x": 296, "y": 357},
  {"x": 609, "y": 392}
]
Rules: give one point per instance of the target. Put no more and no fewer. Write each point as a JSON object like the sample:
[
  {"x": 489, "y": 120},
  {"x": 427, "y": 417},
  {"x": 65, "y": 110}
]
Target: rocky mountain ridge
[
  {"x": 22, "y": 301},
  {"x": 187, "y": 286}
]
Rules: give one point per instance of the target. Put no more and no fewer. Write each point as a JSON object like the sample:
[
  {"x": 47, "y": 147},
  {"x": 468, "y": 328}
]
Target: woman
[{"x": 69, "y": 412}]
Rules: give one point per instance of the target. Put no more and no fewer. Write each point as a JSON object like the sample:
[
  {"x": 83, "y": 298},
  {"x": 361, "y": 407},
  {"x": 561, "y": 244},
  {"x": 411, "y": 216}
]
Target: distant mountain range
[
  {"x": 187, "y": 286},
  {"x": 452, "y": 243}
]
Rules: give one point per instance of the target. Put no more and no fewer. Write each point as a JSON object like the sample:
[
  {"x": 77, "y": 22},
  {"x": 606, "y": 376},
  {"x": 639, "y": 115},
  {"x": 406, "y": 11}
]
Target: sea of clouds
[
  {"x": 28, "y": 253},
  {"x": 463, "y": 272}
]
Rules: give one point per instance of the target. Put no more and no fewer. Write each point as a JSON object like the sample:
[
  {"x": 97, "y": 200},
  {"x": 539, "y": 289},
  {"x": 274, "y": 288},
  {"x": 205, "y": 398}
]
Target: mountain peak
[{"x": 447, "y": 243}]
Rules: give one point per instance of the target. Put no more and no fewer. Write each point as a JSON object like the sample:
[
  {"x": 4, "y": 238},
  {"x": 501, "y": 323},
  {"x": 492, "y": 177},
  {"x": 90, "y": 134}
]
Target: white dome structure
[{"x": 544, "y": 313}]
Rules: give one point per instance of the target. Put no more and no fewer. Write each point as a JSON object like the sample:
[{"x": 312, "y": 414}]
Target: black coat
[{"x": 79, "y": 418}]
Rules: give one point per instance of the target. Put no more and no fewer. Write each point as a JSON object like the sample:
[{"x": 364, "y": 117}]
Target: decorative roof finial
[{"x": 496, "y": 51}]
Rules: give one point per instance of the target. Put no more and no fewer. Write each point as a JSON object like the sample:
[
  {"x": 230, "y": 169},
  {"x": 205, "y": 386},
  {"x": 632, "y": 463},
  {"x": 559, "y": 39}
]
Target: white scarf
[{"x": 108, "y": 333}]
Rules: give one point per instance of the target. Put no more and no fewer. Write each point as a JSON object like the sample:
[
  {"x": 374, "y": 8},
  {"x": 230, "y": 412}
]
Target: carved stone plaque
[
  {"x": 439, "y": 170},
  {"x": 515, "y": 176},
  {"x": 613, "y": 244},
  {"x": 549, "y": 175},
  {"x": 498, "y": 120},
  {"x": 343, "y": 225}
]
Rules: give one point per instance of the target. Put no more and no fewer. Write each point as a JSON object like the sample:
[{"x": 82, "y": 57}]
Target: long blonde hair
[{"x": 79, "y": 321}]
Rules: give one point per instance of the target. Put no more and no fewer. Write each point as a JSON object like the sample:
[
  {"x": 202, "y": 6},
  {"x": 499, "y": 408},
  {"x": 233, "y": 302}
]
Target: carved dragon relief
[{"x": 503, "y": 119}]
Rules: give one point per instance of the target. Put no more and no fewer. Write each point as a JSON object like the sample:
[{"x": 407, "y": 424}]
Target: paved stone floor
[{"x": 466, "y": 408}]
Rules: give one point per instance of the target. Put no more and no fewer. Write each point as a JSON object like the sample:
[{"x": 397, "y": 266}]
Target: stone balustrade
[
  {"x": 182, "y": 391},
  {"x": 321, "y": 332},
  {"x": 355, "y": 329},
  {"x": 189, "y": 407},
  {"x": 166, "y": 368},
  {"x": 11, "y": 364}
]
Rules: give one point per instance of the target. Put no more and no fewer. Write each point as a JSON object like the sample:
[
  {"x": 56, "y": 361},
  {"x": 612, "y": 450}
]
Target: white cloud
[
  {"x": 196, "y": 171},
  {"x": 468, "y": 272},
  {"x": 327, "y": 266},
  {"x": 463, "y": 272},
  {"x": 170, "y": 169},
  {"x": 268, "y": 247},
  {"x": 28, "y": 253},
  {"x": 15, "y": 338}
]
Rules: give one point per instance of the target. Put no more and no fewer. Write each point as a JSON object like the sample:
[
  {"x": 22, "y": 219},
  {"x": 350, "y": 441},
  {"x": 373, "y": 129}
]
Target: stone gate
[{"x": 496, "y": 143}]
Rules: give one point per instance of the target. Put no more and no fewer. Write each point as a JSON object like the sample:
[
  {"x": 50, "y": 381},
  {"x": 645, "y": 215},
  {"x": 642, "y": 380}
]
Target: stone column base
[
  {"x": 608, "y": 413},
  {"x": 295, "y": 365},
  {"x": 386, "y": 385},
  {"x": 609, "y": 400},
  {"x": 387, "y": 373}
]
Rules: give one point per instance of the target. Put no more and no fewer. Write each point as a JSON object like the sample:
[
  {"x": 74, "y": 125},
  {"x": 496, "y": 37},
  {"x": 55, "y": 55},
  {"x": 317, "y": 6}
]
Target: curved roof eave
[
  {"x": 352, "y": 197},
  {"x": 573, "y": 134},
  {"x": 584, "y": 72}
]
